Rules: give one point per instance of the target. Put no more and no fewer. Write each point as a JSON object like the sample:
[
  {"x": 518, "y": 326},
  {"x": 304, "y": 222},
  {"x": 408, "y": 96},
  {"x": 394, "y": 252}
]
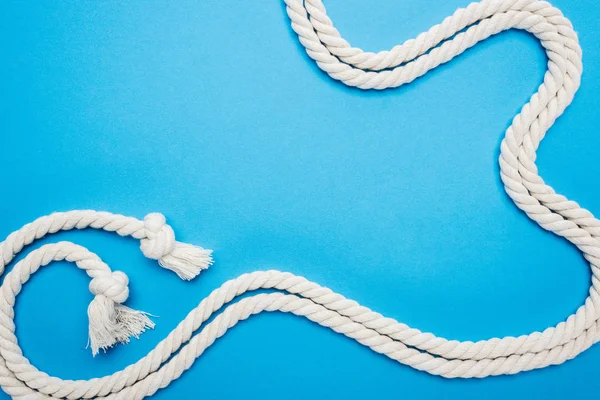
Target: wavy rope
[{"x": 420, "y": 350}]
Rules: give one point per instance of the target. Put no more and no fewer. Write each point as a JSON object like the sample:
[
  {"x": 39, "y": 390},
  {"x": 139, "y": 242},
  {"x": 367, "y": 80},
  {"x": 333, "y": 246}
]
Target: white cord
[{"x": 111, "y": 322}]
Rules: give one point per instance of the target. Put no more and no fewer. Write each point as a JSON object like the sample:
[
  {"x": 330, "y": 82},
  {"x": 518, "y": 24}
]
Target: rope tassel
[
  {"x": 110, "y": 322},
  {"x": 186, "y": 260}
]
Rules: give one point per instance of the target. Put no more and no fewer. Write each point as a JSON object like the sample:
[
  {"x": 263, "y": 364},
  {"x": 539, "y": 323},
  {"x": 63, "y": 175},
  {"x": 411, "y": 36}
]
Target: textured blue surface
[{"x": 211, "y": 113}]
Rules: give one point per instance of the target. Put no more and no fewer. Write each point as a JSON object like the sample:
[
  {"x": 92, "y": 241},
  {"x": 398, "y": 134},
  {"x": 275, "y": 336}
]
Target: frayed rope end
[
  {"x": 111, "y": 323},
  {"x": 187, "y": 260}
]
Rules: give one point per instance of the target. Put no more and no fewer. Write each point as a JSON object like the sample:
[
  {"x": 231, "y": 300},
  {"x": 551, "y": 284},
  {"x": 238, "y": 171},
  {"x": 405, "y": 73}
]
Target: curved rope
[{"x": 111, "y": 322}]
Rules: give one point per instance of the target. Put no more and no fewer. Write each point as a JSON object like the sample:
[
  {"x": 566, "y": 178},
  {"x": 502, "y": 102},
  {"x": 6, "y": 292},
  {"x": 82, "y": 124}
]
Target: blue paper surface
[{"x": 212, "y": 113}]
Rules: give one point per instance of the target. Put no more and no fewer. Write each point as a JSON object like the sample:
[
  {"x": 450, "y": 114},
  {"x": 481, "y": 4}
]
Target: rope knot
[
  {"x": 112, "y": 285},
  {"x": 160, "y": 238},
  {"x": 110, "y": 322},
  {"x": 159, "y": 244}
]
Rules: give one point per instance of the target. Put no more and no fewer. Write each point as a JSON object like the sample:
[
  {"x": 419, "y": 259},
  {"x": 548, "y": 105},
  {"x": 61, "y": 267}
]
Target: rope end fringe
[
  {"x": 187, "y": 260},
  {"x": 111, "y": 323},
  {"x": 159, "y": 243}
]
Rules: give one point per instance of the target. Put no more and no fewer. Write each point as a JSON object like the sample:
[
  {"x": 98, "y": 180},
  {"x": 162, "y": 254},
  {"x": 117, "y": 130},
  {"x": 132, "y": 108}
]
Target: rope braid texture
[{"x": 111, "y": 322}]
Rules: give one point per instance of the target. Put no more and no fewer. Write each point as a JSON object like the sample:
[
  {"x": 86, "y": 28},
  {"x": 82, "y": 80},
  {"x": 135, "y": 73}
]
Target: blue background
[{"x": 211, "y": 113}]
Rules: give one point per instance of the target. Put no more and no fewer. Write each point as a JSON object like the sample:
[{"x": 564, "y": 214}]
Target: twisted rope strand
[{"x": 112, "y": 322}]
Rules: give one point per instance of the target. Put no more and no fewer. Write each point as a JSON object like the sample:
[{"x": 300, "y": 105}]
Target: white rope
[{"x": 111, "y": 322}]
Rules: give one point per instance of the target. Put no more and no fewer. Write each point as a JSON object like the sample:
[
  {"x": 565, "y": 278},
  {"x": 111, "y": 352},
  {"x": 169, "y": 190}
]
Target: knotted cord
[{"x": 111, "y": 322}]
